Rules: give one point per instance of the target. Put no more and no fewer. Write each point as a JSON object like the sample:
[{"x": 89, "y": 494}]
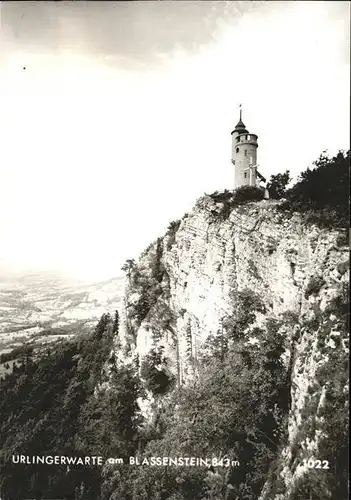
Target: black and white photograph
[{"x": 174, "y": 250}]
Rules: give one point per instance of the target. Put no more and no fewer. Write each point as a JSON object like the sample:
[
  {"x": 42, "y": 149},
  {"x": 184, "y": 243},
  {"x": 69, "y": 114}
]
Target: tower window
[
  {"x": 245, "y": 175},
  {"x": 245, "y": 152},
  {"x": 237, "y": 150}
]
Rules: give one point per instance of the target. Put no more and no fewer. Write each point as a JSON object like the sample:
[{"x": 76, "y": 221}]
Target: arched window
[
  {"x": 237, "y": 150},
  {"x": 245, "y": 152}
]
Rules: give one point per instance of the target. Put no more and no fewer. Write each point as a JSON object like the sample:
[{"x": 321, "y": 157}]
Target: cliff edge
[{"x": 217, "y": 277}]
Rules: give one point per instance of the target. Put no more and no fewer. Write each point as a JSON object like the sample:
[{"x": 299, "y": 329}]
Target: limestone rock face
[{"x": 185, "y": 288}]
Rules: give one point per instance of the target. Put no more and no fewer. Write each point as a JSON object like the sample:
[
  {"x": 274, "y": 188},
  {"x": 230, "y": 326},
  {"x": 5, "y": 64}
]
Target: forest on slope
[{"x": 236, "y": 411}]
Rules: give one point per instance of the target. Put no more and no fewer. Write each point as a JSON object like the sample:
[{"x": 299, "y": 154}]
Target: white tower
[{"x": 244, "y": 156}]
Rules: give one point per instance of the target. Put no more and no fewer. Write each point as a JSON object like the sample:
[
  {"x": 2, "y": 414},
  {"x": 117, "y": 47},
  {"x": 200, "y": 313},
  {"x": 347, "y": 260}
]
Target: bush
[
  {"x": 229, "y": 200},
  {"x": 248, "y": 193},
  {"x": 325, "y": 217},
  {"x": 314, "y": 285},
  {"x": 312, "y": 485},
  {"x": 221, "y": 197}
]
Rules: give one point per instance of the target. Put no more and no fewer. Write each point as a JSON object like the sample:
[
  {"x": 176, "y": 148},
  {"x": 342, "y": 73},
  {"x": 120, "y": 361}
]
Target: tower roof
[{"x": 240, "y": 127}]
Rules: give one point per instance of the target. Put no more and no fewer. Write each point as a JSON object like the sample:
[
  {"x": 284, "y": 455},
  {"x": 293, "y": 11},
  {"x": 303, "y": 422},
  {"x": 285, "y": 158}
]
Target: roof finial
[{"x": 240, "y": 111}]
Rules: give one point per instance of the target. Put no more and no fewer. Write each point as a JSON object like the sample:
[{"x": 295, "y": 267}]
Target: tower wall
[{"x": 244, "y": 153}]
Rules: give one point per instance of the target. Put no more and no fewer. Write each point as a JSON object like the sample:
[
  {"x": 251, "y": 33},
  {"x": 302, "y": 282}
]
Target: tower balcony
[{"x": 246, "y": 139}]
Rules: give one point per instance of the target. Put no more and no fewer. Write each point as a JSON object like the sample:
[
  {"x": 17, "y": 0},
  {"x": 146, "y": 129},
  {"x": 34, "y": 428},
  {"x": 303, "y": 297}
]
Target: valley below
[{"x": 38, "y": 309}]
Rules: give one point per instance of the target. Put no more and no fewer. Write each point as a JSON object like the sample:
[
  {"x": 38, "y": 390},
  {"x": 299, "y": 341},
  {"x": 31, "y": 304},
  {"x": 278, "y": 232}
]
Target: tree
[
  {"x": 277, "y": 185},
  {"x": 43, "y": 408},
  {"x": 102, "y": 325},
  {"x": 115, "y": 328},
  {"x": 128, "y": 267},
  {"x": 325, "y": 185},
  {"x": 322, "y": 192},
  {"x": 247, "y": 387}
]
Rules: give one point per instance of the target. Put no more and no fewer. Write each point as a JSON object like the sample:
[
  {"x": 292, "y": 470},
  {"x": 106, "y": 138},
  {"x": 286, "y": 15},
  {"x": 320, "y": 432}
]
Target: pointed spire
[{"x": 240, "y": 127}]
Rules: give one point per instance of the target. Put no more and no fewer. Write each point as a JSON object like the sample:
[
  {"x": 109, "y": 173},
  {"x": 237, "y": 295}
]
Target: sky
[{"x": 116, "y": 116}]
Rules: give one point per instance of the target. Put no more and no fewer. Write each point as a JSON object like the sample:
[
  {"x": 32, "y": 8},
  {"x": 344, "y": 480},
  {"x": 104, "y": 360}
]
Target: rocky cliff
[{"x": 225, "y": 265}]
